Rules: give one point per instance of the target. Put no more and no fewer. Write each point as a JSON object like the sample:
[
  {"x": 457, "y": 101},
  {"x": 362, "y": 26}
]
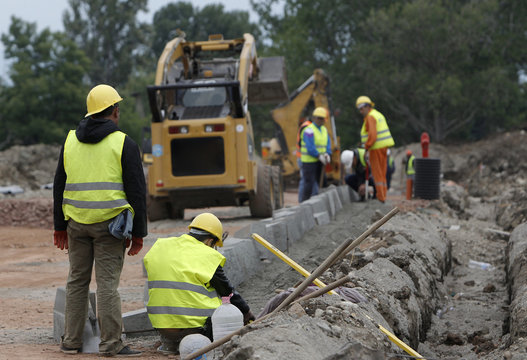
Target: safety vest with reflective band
[
  {"x": 384, "y": 137},
  {"x": 94, "y": 189},
  {"x": 410, "y": 166},
  {"x": 179, "y": 273},
  {"x": 320, "y": 137},
  {"x": 299, "y": 137},
  {"x": 362, "y": 159}
]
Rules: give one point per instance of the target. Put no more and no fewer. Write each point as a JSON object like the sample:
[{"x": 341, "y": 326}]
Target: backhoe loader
[
  {"x": 202, "y": 143},
  {"x": 288, "y": 117}
]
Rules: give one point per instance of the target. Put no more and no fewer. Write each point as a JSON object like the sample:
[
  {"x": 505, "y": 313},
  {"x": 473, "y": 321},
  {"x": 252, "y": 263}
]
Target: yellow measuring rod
[
  {"x": 400, "y": 343},
  {"x": 288, "y": 261}
]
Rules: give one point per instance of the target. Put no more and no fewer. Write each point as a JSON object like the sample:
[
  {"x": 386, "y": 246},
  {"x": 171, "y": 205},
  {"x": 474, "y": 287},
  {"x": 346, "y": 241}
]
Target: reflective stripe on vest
[
  {"x": 320, "y": 137},
  {"x": 179, "y": 273},
  {"x": 410, "y": 166},
  {"x": 94, "y": 189},
  {"x": 384, "y": 137}
]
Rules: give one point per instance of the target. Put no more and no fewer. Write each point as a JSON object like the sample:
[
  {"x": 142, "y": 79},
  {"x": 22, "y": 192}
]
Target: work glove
[
  {"x": 60, "y": 239},
  {"x": 328, "y": 158},
  {"x": 322, "y": 158},
  {"x": 248, "y": 317},
  {"x": 137, "y": 245}
]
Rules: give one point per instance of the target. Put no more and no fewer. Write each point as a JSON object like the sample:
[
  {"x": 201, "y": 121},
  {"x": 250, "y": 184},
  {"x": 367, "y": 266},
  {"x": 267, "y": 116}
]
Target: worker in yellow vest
[
  {"x": 315, "y": 151},
  {"x": 376, "y": 138},
  {"x": 410, "y": 174},
  {"x": 186, "y": 282},
  {"x": 99, "y": 195}
]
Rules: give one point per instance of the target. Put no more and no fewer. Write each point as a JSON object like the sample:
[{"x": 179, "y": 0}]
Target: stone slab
[
  {"x": 322, "y": 218},
  {"x": 243, "y": 259},
  {"x": 136, "y": 323},
  {"x": 277, "y": 235}
]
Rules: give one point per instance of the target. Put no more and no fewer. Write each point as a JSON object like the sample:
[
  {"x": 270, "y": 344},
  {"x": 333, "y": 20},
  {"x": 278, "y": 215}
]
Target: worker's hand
[
  {"x": 137, "y": 245},
  {"x": 60, "y": 239},
  {"x": 322, "y": 159},
  {"x": 362, "y": 189},
  {"x": 328, "y": 158},
  {"x": 248, "y": 317}
]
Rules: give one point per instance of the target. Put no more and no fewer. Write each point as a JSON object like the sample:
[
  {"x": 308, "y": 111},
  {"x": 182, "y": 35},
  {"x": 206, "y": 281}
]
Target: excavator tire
[
  {"x": 261, "y": 201},
  {"x": 157, "y": 208},
  {"x": 278, "y": 187}
]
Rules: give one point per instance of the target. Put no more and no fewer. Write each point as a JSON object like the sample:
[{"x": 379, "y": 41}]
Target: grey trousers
[{"x": 88, "y": 245}]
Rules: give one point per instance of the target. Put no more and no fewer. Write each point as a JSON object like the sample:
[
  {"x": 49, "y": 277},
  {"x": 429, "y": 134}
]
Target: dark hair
[
  {"x": 203, "y": 237},
  {"x": 106, "y": 112}
]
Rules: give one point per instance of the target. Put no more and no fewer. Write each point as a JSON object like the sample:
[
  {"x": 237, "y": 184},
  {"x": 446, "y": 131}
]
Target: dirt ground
[{"x": 486, "y": 193}]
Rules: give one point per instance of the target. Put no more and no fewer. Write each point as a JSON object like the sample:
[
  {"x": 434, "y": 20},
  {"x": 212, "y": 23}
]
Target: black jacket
[
  {"x": 92, "y": 131},
  {"x": 223, "y": 287}
]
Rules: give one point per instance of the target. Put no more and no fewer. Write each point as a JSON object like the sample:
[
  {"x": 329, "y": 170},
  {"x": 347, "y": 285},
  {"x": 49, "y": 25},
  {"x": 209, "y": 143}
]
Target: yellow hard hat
[
  {"x": 101, "y": 97},
  {"x": 320, "y": 112},
  {"x": 209, "y": 223},
  {"x": 364, "y": 100}
]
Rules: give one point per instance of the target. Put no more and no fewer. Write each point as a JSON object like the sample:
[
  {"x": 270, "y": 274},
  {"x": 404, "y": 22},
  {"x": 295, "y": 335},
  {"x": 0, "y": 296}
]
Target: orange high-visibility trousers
[
  {"x": 378, "y": 170},
  {"x": 409, "y": 188}
]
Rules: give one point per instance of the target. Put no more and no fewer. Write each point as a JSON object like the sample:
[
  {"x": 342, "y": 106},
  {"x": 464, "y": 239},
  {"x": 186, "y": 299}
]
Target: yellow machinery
[
  {"x": 202, "y": 144},
  {"x": 288, "y": 116}
]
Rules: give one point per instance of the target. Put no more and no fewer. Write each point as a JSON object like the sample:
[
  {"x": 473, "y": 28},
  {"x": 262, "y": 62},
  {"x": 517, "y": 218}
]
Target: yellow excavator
[
  {"x": 202, "y": 151},
  {"x": 282, "y": 150}
]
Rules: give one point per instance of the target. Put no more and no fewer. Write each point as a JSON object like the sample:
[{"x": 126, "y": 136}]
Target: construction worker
[
  {"x": 99, "y": 195},
  {"x": 186, "y": 280},
  {"x": 376, "y": 138},
  {"x": 314, "y": 191},
  {"x": 355, "y": 165},
  {"x": 315, "y": 151},
  {"x": 390, "y": 168},
  {"x": 410, "y": 174}
]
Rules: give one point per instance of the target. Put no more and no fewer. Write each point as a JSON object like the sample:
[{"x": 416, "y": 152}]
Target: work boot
[
  {"x": 67, "y": 350},
  {"x": 125, "y": 352}
]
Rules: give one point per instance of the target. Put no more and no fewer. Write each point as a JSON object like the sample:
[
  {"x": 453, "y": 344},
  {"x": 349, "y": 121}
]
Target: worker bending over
[
  {"x": 186, "y": 281},
  {"x": 315, "y": 151},
  {"x": 376, "y": 138},
  {"x": 354, "y": 163}
]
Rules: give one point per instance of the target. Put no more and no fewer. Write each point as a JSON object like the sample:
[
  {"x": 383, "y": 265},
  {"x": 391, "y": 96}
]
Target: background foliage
[{"x": 448, "y": 67}]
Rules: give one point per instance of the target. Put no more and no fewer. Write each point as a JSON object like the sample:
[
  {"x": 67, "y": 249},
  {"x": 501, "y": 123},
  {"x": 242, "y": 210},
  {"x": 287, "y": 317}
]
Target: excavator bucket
[{"x": 270, "y": 86}]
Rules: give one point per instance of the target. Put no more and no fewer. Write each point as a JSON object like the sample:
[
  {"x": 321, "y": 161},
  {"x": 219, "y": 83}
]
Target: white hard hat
[
  {"x": 346, "y": 158},
  {"x": 192, "y": 343}
]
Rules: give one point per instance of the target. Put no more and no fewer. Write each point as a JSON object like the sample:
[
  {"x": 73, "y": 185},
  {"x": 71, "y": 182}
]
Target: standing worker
[
  {"x": 354, "y": 164},
  {"x": 99, "y": 208},
  {"x": 390, "y": 169},
  {"x": 315, "y": 150},
  {"x": 410, "y": 174},
  {"x": 185, "y": 282},
  {"x": 376, "y": 137},
  {"x": 314, "y": 191}
]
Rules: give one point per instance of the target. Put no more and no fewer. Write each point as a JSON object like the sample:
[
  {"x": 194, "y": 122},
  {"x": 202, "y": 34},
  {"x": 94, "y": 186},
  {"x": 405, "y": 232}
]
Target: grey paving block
[
  {"x": 330, "y": 204},
  {"x": 344, "y": 194},
  {"x": 333, "y": 193},
  {"x": 306, "y": 217},
  {"x": 317, "y": 203},
  {"x": 91, "y": 336},
  {"x": 322, "y": 218},
  {"x": 136, "y": 323},
  {"x": 354, "y": 195},
  {"x": 277, "y": 235},
  {"x": 242, "y": 259}
]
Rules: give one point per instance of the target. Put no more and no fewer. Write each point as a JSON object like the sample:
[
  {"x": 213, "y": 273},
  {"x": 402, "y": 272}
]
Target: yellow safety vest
[
  {"x": 361, "y": 156},
  {"x": 94, "y": 189},
  {"x": 320, "y": 139},
  {"x": 384, "y": 137},
  {"x": 179, "y": 273},
  {"x": 410, "y": 166}
]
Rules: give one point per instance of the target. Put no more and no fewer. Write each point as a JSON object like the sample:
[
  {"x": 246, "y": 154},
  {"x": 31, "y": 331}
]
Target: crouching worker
[{"x": 186, "y": 281}]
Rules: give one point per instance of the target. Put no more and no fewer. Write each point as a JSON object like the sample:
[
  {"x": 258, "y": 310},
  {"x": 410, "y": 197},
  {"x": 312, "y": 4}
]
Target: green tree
[
  {"x": 110, "y": 34},
  {"x": 198, "y": 23},
  {"x": 47, "y": 96},
  {"x": 437, "y": 68}
]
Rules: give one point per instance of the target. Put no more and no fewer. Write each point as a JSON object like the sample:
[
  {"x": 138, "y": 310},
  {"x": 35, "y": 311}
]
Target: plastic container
[
  {"x": 192, "y": 343},
  {"x": 226, "y": 319},
  {"x": 473, "y": 264}
]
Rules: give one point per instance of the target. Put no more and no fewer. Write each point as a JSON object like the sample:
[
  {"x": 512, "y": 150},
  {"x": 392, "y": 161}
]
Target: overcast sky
[{"x": 48, "y": 13}]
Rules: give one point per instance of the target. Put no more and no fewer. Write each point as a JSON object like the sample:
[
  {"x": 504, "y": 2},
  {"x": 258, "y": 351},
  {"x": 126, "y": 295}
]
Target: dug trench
[{"x": 413, "y": 272}]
